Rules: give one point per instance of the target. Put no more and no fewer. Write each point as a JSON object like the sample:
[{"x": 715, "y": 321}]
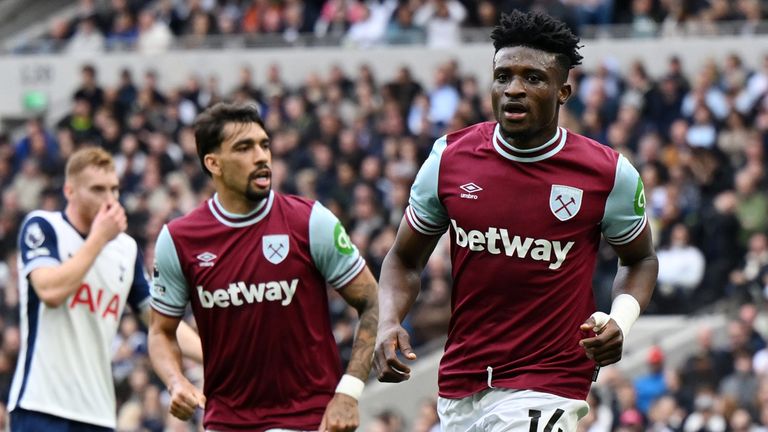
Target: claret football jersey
[
  {"x": 524, "y": 225},
  {"x": 257, "y": 286}
]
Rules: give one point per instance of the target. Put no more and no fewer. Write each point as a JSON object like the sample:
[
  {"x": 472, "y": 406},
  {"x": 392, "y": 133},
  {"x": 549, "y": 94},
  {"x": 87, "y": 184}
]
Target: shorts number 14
[{"x": 535, "y": 415}]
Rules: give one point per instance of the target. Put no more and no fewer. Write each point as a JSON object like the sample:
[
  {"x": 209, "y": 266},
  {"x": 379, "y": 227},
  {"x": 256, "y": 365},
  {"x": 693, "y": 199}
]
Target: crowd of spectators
[
  {"x": 153, "y": 26},
  {"x": 354, "y": 141}
]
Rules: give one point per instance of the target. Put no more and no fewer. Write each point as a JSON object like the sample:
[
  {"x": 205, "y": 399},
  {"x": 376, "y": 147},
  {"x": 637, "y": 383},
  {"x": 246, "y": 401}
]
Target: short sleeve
[
  {"x": 425, "y": 213},
  {"x": 38, "y": 245},
  {"x": 334, "y": 255},
  {"x": 138, "y": 297},
  {"x": 624, "y": 217},
  {"x": 170, "y": 293}
]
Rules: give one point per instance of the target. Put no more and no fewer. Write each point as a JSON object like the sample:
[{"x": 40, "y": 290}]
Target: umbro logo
[
  {"x": 206, "y": 259},
  {"x": 470, "y": 189}
]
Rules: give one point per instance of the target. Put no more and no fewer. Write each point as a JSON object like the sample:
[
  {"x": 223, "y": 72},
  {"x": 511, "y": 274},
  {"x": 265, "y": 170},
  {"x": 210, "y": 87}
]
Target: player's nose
[
  {"x": 515, "y": 87},
  {"x": 260, "y": 156}
]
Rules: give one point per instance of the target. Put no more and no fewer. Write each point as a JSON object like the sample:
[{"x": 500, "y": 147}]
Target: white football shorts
[{"x": 497, "y": 410}]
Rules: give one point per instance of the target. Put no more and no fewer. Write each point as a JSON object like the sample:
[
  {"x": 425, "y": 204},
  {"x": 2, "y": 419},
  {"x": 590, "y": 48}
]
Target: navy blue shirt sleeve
[
  {"x": 138, "y": 298},
  {"x": 38, "y": 245}
]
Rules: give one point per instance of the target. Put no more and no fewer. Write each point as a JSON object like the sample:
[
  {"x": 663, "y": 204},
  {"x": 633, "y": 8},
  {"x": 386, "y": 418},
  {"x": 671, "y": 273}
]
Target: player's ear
[
  {"x": 564, "y": 93},
  {"x": 212, "y": 163},
  {"x": 68, "y": 189}
]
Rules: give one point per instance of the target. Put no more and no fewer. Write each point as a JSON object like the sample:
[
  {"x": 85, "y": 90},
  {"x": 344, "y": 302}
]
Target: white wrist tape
[
  {"x": 350, "y": 386},
  {"x": 624, "y": 310}
]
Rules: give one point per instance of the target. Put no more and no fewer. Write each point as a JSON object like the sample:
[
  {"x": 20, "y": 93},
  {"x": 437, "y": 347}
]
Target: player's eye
[
  {"x": 501, "y": 78},
  {"x": 535, "y": 79}
]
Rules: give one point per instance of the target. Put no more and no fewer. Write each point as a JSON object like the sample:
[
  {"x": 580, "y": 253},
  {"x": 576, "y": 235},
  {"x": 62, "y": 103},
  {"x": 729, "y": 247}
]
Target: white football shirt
[{"x": 64, "y": 366}]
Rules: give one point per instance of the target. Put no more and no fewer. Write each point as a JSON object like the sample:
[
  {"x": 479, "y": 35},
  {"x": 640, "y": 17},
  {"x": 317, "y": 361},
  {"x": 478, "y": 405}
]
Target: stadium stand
[{"x": 690, "y": 112}]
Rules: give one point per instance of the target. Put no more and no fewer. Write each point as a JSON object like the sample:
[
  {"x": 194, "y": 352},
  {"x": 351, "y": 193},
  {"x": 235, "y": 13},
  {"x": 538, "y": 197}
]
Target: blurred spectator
[
  {"x": 665, "y": 415},
  {"x": 443, "y": 100},
  {"x": 57, "y": 36},
  {"x": 704, "y": 368},
  {"x": 744, "y": 281},
  {"x": 652, "y": 385},
  {"x": 752, "y": 205},
  {"x": 402, "y": 29},
  {"x": 681, "y": 269},
  {"x": 370, "y": 28},
  {"x": 719, "y": 232},
  {"x": 741, "y": 421},
  {"x": 87, "y": 40},
  {"x": 643, "y": 23},
  {"x": 705, "y": 417},
  {"x": 427, "y": 420},
  {"x": 123, "y": 34},
  {"x": 89, "y": 87},
  {"x": 441, "y": 19},
  {"x": 741, "y": 386},
  {"x": 154, "y": 36},
  {"x": 37, "y": 144}
]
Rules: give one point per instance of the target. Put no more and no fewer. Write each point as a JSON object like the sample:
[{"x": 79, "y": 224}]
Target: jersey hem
[
  {"x": 508, "y": 384},
  {"x": 66, "y": 415}
]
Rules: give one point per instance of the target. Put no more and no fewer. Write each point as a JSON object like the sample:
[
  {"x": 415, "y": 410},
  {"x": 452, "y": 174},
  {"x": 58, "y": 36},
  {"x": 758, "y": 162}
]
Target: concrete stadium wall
[{"x": 57, "y": 75}]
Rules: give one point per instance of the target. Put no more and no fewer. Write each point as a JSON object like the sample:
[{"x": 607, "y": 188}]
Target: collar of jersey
[
  {"x": 544, "y": 151},
  {"x": 236, "y": 220},
  {"x": 66, "y": 219}
]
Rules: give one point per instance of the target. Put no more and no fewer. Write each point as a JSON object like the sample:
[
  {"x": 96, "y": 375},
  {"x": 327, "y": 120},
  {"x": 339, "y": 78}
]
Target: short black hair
[
  {"x": 209, "y": 125},
  {"x": 540, "y": 31}
]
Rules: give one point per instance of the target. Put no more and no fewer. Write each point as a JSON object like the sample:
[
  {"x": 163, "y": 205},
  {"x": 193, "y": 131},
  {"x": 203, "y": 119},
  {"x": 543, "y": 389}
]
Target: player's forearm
[
  {"x": 637, "y": 279},
  {"x": 54, "y": 284},
  {"x": 165, "y": 355},
  {"x": 362, "y": 349},
  {"x": 399, "y": 286}
]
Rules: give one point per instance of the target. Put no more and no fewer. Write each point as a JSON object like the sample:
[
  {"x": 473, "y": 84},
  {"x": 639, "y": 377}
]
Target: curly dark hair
[{"x": 540, "y": 31}]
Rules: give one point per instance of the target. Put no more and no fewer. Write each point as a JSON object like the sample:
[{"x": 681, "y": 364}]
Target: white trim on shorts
[{"x": 508, "y": 410}]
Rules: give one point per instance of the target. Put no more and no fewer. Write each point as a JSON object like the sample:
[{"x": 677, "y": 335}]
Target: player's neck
[
  {"x": 236, "y": 203},
  {"x": 525, "y": 142},
  {"x": 76, "y": 220}
]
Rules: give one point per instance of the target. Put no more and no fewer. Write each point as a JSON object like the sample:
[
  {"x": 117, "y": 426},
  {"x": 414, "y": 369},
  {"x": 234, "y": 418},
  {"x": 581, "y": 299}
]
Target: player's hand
[
  {"x": 606, "y": 346},
  {"x": 340, "y": 415},
  {"x": 185, "y": 399},
  {"x": 109, "y": 221},
  {"x": 387, "y": 365}
]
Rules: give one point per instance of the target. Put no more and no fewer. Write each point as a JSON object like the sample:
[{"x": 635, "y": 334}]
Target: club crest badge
[
  {"x": 275, "y": 247},
  {"x": 565, "y": 201}
]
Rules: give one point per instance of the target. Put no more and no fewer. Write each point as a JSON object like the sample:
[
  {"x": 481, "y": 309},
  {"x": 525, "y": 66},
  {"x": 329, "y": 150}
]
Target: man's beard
[
  {"x": 520, "y": 135},
  {"x": 255, "y": 196}
]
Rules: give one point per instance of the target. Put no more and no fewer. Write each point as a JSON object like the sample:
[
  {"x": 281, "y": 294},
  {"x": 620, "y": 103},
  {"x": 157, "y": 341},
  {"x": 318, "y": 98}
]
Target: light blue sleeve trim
[
  {"x": 39, "y": 263},
  {"x": 333, "y": 253},
  {"x": 170, "y": 293},
  {"x": 425, "y": 212},
  {"x": 624, "y": 217}
]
